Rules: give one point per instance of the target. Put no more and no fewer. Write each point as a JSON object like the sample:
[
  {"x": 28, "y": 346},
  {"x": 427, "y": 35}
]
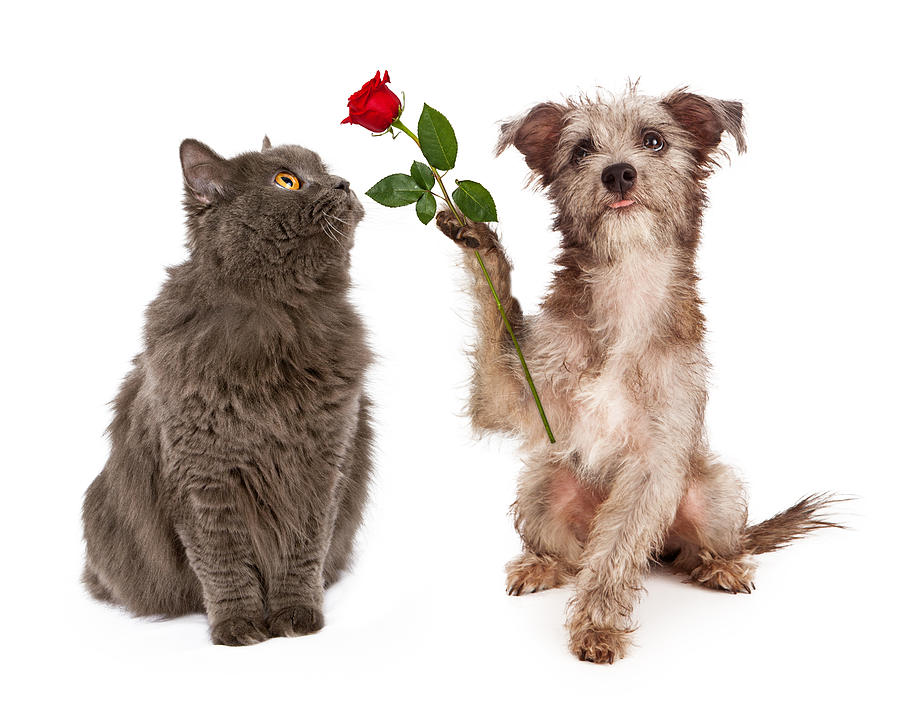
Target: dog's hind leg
[
  {"x": 710, "y": 540},
  {"x": 706, "y": 539},
  {"x": 531, "y": 572},
  {"x": 553, "y": 512}
]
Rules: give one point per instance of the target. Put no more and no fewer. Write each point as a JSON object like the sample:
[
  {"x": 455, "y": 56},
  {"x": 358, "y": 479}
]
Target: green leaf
[
  {"x": 475, "y": 202},
  {"x": 426, "y": 207},
  {"x": 437, "y": 139},
  {"x": 421, "y": 173},
  {"x": 395, "y": 191}
]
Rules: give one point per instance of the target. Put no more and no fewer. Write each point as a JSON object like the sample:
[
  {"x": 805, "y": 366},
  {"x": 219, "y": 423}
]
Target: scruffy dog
[{"x": 617, "y": 355}]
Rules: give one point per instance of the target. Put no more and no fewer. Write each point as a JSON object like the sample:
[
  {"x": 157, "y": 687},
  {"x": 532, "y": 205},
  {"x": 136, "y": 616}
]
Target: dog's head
[{"x": 611, "y": 165}]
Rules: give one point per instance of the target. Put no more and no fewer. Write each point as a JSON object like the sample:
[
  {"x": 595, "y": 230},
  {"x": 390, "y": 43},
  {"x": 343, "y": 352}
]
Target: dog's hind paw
[
  {"x": 734, "y": 574},
  {"x": 530, "y": 573}
]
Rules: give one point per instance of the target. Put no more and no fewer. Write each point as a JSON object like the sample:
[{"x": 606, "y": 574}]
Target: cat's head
[{"x": 270, "y": 217}]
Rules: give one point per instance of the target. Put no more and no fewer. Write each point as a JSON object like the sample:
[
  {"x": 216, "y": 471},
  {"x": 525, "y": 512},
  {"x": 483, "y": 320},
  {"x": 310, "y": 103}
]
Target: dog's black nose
[
  {"x": 619, "y": 177},
  {"x": 342, "y": 185}
]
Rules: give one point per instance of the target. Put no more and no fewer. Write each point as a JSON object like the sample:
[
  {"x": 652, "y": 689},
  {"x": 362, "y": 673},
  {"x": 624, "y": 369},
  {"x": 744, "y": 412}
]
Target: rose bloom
[{"x": 374, "y": 106}]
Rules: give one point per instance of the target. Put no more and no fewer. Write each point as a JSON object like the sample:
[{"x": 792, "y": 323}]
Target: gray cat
[{"x": 241, "y": 439}]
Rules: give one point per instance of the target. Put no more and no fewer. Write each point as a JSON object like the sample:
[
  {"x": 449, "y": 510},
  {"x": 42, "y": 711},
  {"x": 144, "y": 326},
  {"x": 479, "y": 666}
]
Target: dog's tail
[{"x": 804, "y": 517}]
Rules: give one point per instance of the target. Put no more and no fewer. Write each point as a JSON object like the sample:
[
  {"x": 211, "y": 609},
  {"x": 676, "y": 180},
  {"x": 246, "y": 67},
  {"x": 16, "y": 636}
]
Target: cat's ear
[
  {"x": 206, "y": 174},
  {"x": 267, "y": 143}
]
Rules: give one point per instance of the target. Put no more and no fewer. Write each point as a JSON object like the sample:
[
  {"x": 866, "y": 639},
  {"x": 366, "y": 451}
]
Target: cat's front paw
[
  {"x": 295, "y": 621},
  {"x": 239, "y": 631}
]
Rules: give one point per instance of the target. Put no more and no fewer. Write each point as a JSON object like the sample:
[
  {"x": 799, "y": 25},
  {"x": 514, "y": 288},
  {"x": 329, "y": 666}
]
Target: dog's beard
[{"x": 635, "y": 228}]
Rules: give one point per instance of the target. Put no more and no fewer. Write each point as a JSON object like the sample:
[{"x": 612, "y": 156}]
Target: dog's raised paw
[
  {"x": 529, "y": 573},
  {"x": 239, "y": 631},
  {"x": 296, "y": 621},
  {"x": 474, "y": 236},
  {"x": 448, "y": 224},
  {"x": 598, "y": 645}
]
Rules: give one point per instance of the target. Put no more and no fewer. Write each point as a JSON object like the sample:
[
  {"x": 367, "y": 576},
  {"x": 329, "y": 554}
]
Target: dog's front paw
[
  {"x": 239, "y": 631},
  {"x": 530, "y": 573},
  {"x": 475, "y": 235},
  {"x": 296, "y": 621},
  {"x": 600, "y": 645}
]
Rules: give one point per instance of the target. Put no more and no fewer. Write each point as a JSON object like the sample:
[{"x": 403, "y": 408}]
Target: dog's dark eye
[
  {"x": 582, "y": 150},
  {"x": 653, "y": 141}
]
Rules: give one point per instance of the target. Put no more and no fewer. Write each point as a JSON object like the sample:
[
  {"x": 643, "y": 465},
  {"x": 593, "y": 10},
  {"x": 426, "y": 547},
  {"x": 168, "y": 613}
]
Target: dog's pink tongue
[{"x": 622, "y": 203}]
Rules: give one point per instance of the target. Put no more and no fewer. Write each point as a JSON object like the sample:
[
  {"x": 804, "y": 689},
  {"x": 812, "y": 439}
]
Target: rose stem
[
  {"x": 537, "y": 400},
  {"x": 462, "y": 220},
  {"x": 459, "y": 218}
]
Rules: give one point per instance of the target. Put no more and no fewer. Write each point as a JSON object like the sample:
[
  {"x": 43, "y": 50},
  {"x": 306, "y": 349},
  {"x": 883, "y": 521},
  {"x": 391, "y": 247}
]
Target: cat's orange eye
[{"x": 287, "y": 181}]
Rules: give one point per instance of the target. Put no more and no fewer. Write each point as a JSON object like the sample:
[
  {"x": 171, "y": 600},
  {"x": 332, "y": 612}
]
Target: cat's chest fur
[
  {"x": 258, "y": 375},
  {"x": 299, "y": 363}
]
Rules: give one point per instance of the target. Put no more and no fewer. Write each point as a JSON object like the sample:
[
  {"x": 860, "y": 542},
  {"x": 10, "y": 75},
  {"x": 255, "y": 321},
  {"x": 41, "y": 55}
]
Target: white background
[{"x": 799, "y": 269}]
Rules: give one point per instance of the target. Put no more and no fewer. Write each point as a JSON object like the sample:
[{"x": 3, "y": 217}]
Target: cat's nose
[{"x": 342, "y": 184}]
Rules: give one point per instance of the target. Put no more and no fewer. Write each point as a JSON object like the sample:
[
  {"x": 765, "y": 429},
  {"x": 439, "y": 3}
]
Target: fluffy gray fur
[{"x": 241, "y": 439}]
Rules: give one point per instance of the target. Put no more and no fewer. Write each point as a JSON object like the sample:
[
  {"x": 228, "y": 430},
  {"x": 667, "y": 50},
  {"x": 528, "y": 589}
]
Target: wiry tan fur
[{"x": 617, "y": 354}]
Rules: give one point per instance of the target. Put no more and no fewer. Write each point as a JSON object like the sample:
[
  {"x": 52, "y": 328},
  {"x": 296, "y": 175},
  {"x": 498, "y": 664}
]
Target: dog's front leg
[
  {"x": 628, "y": 528},
  {"x": 498, "y": 394}
]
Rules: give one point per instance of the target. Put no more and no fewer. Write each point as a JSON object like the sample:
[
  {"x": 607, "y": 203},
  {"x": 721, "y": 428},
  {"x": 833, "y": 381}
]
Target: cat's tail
[{"x": 807, "y": 515}]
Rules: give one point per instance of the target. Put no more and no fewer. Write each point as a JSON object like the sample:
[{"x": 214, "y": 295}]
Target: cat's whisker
[
  {"x": 333, "y": 217},
  {"x": 342, "y": 234},
  {"x": 325, "y": 229}
]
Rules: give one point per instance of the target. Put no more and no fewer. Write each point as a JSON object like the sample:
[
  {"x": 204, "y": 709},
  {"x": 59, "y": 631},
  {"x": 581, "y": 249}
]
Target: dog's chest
[{"x": 609, "y": 408}]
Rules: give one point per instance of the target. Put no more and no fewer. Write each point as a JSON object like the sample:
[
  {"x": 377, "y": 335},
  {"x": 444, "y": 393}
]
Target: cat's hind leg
[
  {"x": 133, "y": 557},
  {"x": 97, "y": 588},
  {"x": 351, "y": 496}
]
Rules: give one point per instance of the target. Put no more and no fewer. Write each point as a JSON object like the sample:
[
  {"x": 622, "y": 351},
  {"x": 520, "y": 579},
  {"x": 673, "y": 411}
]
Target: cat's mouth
[{"x": 337, "y": 217}]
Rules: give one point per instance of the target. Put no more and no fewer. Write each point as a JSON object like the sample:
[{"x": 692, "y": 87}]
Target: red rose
[{"x": 374, "y": 106}]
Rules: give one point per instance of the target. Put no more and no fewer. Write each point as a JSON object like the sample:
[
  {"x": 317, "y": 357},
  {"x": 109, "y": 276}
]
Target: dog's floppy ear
[
  {"x": 536, "y": 135},
  {"x": 707, "y": 118}
]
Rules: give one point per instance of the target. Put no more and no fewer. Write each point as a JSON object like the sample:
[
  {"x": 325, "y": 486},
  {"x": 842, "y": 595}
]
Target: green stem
[
  {"x": 459, "y": 218},
  {"x": 462, "y": 221},
  {"x": 400, "y": 126},
  {"x": 534, "y": 393}
]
